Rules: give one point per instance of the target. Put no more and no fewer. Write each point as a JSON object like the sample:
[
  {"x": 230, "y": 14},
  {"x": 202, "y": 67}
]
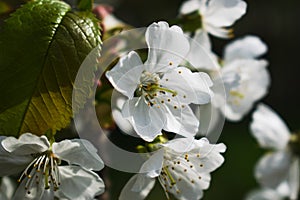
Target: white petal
[
  {"x": 189, "y": 182},
  {"x": 148, "y": 121},
  {"x": 273, "y": 168},
  {"x": 117, "y": 104},
  {"x": 222, "y": 13},
  {"x": 210, "y": 157},
  {"x": 152, "y": 167},
  {"x": 181, "y": 120},
  {"x": 7, "y": 188},
  {"x": 78, "y": 183},
  {"x": 167, "y": 46},
  {"x": 253, "y": 85},
  {"x": 210, "y": 117},
  {"x": 269, "y": 129},
  {"x": 190, "y": 123},
  {"x": 198, "y": 155},
  {"x": 190, "y": 87},
  {"x": 190, "y": 6},
  {"x": 10, "y": 163},
  {"x": 181, "y": 145},
  {"x": 127, "y": 192},
  {"x": 26, "y": 144},
  {"x": 36, "y": 191},
  {"x": 264, "y": 194},
  {"x": 80, "y": 152},
  {"x": 293, "y": 179},
  {"x": 200, "y": 54},
  {"x": 245, "y": 48},
  {"x": 125, "y": 75}
]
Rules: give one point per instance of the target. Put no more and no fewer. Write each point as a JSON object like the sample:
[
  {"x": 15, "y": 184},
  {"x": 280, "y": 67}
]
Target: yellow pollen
[{"x": 237, "y": 94}]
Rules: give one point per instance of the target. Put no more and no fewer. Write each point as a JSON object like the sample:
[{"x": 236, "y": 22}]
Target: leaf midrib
[{"x": 41, "y": 71}]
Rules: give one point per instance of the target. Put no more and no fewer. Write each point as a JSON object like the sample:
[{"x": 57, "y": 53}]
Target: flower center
[
  {"x": 42, "y": 170},
  {"x": 235, "y": 97},
  {"x": 149, "y": 87}
]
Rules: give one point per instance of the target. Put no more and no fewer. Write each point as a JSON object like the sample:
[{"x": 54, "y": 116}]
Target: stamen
[
  {"x": 41, "y": 162},
  {"x": 25, "y": 171}
]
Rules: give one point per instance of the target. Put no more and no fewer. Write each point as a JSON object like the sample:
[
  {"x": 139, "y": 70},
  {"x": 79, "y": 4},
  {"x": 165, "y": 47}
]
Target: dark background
[{"x": 277, "y": 24}]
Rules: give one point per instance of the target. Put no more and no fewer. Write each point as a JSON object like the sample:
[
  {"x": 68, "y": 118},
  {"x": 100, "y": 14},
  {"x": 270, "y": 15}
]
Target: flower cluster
[{"x": 160, "y": 94}]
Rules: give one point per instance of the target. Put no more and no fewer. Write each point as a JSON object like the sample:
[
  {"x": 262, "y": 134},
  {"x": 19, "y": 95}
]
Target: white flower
[
  {"x": 282, "y": 165},
  {"x": 159, "y": 90},
  {"x": 216, "y": 14},
  {"x": 182, "y": 167},
  {"x": 239, "y": 80},
  {"x": 241, "y": 58},
  {"x": 44, "y": 176}
]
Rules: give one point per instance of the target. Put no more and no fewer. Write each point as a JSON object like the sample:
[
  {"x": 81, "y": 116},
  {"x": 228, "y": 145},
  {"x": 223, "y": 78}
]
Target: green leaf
[
  {"x": 85, "y": 5},
  {"x": 42, "y": 46}
]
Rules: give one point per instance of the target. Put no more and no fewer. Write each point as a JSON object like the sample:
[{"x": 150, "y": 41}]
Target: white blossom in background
[
  {"x": 242, "y": 58},
  {"x": 159, "y": 91},
  {"x": 280, "y": 193},
  {"x": 216, "y": 15},
  {"x": 281, "y": 165},
  {"x": 182, "y": 167},
  {"x": 243, "y": 74},
  {"x": 43, "y": 175}
]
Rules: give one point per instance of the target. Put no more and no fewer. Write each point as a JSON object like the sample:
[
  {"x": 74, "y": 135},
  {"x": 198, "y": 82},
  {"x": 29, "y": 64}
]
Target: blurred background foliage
[{"x": 277, "y": 23}]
